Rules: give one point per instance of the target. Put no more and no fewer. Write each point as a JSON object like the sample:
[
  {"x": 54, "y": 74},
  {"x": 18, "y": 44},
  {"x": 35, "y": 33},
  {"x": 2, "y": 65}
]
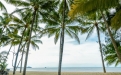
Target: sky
[{"x": 85, "y": 54}]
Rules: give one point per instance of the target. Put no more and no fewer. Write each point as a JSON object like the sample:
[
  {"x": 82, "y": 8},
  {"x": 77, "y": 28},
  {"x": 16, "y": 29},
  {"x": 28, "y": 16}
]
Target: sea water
[{"x": 74, "y": 69}]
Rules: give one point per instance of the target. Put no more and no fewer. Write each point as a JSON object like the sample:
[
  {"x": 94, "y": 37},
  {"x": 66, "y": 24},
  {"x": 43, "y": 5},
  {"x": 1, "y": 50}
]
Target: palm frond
[
  {"x": 115, "y": 22},
  {"x": 78, "y": 7},
  {"x": 117, "y": 63},
  {"x": 72, "y": 33},
  {"x": 18, "y": 3},
  {"x": 68, "y": 33},
  {"x": 17, "y": 20},
  {"x": 57, "y": 35},
  {"x": 90, "y": 31},
  {"x": 2, "y": 7},
  {"x": 34, "y": 45},
  {"x": 19, "y": 10}
]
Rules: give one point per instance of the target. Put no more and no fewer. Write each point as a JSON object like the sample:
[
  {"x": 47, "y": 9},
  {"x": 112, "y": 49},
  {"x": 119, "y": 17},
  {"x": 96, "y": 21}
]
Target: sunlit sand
[{"x": 68, "y": 73}]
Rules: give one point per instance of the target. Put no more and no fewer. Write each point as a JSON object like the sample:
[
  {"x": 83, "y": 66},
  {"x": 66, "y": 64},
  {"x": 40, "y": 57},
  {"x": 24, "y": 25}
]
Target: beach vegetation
[
  {"x": 35, "y": 10},
  {"x": 23, "y": 28},
  {"x": 109, "y": 53},
  {"x": 90, "y": 24},
  {"x": 3, "y": 64},
  {"x": 99, "y": 7}
]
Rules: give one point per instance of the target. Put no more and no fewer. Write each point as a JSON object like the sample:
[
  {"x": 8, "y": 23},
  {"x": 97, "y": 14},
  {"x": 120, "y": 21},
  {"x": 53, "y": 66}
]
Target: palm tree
[
  {"x": 24, "y": 23},
  {"x": 35, "y": 9},
  {"x": 99, "y": 27},
  {"x": 59, "y": 24},
  {"x": 91, "y": 25},
  {"x": 98, "y": 33},
  {"x": 34, "y": 40},
  {"x": 9, "y": 33},
  {"x": 18, "y": 24},
  {"x": 62, "y": 36},
  {"x": 34, "y": 44},
  {"x": 96, "y": 6}
]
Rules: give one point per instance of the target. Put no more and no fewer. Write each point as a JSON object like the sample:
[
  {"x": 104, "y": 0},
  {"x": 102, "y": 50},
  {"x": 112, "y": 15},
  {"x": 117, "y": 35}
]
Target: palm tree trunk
[
  {"x": 22, "y": 58},
  {"x": 111, "y": 37},
  {"x": 28, "y": 44},
  {"x": 21, "y": 61},
  {"x": 98, "y": 33},
  {"x": 62, "y": 39},
  {"x": 13, "y": 57},
  {"x": 14, "y": 70},
  {"x": 18, "y": 64},
  {"x": 9, "y": 50},
  {"x": 61, "y": 53}
]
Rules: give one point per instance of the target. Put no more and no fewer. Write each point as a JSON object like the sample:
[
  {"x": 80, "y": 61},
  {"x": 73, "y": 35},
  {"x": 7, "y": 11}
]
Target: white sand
[{"x": 68, "y": 73}]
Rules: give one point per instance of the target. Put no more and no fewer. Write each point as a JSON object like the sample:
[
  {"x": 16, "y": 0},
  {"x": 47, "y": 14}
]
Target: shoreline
[
  {"x": 72, "y": 69},
  {"x": 66, "y": 73}
]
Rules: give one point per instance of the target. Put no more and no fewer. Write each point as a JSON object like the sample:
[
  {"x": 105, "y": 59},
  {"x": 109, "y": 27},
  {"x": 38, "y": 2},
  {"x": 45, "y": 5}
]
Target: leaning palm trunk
[
  {"x": 13, "y": 57},
  {"x": 28, "y": 44},
  {"x": 9, "y": 50},
  {"x": 18, "y": 52},
  {"x": 111, "y": 37},
  {"x": 98, "y": 33},
  {"x": 22, "y": 57},
  {"x": 21, "y": 61},
  {"x": 62, "y": 38}
]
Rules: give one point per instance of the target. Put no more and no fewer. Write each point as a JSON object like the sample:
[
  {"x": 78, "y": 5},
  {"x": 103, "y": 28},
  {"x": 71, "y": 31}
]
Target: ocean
[{"x": 74, "y": 69}]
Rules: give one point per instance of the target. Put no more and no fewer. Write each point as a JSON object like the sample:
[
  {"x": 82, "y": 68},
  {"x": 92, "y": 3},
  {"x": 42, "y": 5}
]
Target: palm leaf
[
  {"x": 18, "y": 3},
  {"x": 34, "y": 45},
  {"x": 2, "y": 7},
  {"x": 57, "y": 35},
  {"x": 90, "y": 31},
  {"x": 78, "y": 7},
  {"x": 68, "y": 32},
  {"x": 115, "y": 21}
]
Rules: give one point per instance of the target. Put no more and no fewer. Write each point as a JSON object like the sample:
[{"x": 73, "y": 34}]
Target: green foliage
[
  {"x": 3, "y": 66},
  {"x": 116, "y": 20},
  {"x": 15, "y": 30},
  {"x": 109, "y": 53},
  {"x": 54, "y": 27},
  {"x": 3, "y": 60},
  {"x": 78, "y": 7}
]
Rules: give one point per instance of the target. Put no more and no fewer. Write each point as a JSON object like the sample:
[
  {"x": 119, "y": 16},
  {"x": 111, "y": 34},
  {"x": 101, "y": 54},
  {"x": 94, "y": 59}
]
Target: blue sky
[{"x": 86, "y": 54}]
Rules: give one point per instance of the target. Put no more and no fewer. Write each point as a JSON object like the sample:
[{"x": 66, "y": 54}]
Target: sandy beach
[{"x": 68, "y": 73}]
